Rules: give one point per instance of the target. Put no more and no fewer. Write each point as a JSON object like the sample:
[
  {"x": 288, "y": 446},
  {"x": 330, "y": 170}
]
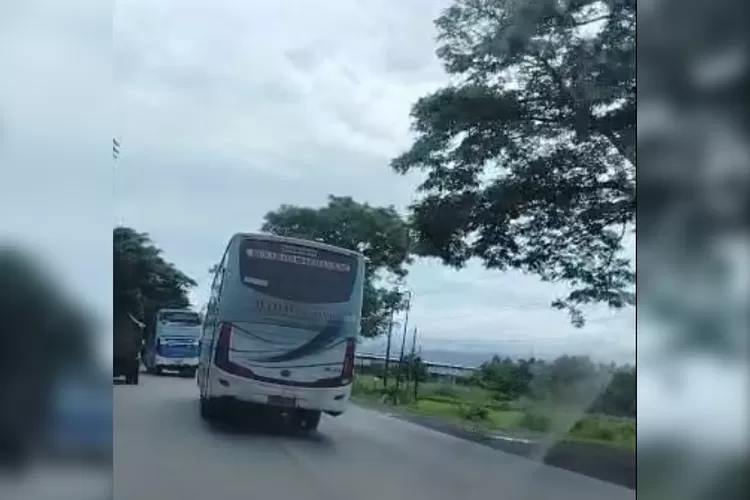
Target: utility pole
[
  {"x": 411, "y": 366},
  {"x": 388, "y": 351},
  {"x": 403, "y": 339},
  {"x": 412, "y": 363},
  {"x": 414, "y": 366},
  {"x": 400, "y": 360}
]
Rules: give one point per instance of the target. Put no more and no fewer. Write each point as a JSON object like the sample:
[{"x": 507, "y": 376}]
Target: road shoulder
[{"x": 617, "y": 466}]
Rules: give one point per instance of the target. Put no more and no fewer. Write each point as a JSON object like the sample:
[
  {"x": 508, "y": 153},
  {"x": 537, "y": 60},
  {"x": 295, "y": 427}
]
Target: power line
[{"x": 594, "y": 320}]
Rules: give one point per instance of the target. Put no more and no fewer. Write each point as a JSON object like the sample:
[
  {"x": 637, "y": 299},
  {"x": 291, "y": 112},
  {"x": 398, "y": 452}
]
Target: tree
[
  {"x": 530, "y": 153},
  {"x": 619, "y": 397},
  {"x": 608, "y": 389},
  {"x": 379, "y": 233},
  {"x": 412, "y": 367},
  {"x": 571, "y": 379},
  {"x": 508, "y": 380},
  {"x": 143, "y": 281}
]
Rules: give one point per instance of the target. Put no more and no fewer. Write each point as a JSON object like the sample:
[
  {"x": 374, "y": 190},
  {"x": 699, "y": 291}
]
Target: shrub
[
  {"x": 394, "y": 396},
  {"x": 474, "y": 412},
  {"x": 605, "y": 434},
  {"x": 603, "y": 429},
  {"x": 535, "y": 421},
  {"x": 367, "y": 386},
  {"x": 441, "y": 399},
  {"x": 446, "y": 391},
  {"x": 501, "y": 405}
]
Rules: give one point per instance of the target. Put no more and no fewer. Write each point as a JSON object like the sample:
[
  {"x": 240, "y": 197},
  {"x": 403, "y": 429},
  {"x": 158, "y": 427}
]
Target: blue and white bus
[
  {"x": 280, "y": 328},
  {"x": 174, "y": 343}
]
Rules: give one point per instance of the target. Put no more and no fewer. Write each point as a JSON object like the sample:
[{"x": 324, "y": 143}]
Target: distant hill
[
  {"x": 474, "y": 353},
  {"x": 460, "y": 355}
]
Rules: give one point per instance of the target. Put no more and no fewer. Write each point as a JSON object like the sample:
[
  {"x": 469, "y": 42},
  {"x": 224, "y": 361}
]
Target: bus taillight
[
  {"x": 221, "y": 357},
  {"x": 347, "y": 374}
]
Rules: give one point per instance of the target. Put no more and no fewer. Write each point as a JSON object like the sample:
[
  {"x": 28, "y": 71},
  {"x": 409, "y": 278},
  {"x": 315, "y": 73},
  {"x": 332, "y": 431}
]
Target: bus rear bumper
[
  {"x": 331, "y": 400},
  {"x": 176, "y": 363}
]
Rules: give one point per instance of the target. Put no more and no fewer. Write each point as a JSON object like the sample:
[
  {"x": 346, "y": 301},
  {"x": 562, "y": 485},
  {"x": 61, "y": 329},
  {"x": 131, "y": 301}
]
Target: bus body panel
[
  {"x": 332, "y": 400},
  {"x": 282, "y": 320}
]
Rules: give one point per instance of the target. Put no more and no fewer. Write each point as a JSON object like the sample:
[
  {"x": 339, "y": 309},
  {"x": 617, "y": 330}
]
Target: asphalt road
[{"x": 163, "y": 450}]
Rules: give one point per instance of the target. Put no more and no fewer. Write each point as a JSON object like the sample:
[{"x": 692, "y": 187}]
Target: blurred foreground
[
  {"x": 55, "y": 394},
  {"x": 55, "y": 183},
  {"x": 693, "y": 248},
  {"x": 58, "y": 482}
]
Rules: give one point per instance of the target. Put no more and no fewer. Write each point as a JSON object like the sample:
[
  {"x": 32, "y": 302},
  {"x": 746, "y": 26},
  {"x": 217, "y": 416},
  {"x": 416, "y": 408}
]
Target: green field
[{"x": 475, "y": 409}]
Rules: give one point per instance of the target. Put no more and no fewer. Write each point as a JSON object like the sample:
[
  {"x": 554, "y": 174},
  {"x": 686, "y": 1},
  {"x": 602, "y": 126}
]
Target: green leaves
[
  {"x": 507, "y": 379},
  {"x": 529, "y": 157},
  {"x": 379, "y": 233},
  {"x": 143, "y": 281},
  {"x": 573, "y": 380}
]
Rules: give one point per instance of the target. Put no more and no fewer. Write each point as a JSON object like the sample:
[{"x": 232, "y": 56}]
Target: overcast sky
[{"x": 228, "y": 109}]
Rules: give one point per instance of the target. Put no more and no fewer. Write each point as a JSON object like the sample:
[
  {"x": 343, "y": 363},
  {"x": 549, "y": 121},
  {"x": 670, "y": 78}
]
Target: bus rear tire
[
  {"x": 209, "y": 409},
  {"x": 308, "y": 420}
]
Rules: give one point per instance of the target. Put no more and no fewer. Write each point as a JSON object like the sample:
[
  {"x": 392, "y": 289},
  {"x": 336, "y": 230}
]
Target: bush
[
  {"x": 394, "y": 396},
  {"x": 474, "y": 412},
  {"x": 444, "y": 391},
  {"x": 603, "y": 429},
  {"x": 534, "y": 421},
  {"x": 501, "y": 397},
  {"x": 501, "y": 406},
  {"x": 603, "y": 433},
  {"x": 441, "y": 399},
  {"x": 367, "y": 385}
]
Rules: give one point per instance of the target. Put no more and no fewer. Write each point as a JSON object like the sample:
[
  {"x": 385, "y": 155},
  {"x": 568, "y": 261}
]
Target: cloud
[
  {"x": 228, "y": 109},
  {"x": 477, "y": 308},
  {"x": 268, "y": 80}
]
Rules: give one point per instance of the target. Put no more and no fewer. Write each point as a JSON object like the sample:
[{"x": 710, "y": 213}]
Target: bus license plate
[{"x": 281, "y": 401}]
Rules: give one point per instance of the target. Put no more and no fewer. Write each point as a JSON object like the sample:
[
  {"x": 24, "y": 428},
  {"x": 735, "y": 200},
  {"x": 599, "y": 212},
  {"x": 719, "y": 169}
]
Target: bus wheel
[
  {"x": 209, "y": 408},
  {"x": 308, "y": 420}
]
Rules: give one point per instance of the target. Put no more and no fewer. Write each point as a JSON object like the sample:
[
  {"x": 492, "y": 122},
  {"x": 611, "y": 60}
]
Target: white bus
[
  {"x": 280, "y": 328},
  {"x": 173, "y": 342}
]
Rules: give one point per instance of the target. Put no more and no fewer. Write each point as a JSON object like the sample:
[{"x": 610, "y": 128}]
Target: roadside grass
[{"x": 474, "y": 409}]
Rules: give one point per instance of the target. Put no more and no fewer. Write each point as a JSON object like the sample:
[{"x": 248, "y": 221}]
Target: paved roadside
[{"x": 613, "y": 465}]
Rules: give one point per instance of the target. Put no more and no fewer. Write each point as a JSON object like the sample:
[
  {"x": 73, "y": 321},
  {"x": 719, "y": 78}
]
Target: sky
[{"x": 228, "y": 109}]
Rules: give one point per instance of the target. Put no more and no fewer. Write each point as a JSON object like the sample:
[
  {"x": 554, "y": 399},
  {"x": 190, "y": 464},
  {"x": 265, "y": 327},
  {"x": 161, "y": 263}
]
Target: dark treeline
[{"x": 576, "y": 381}]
